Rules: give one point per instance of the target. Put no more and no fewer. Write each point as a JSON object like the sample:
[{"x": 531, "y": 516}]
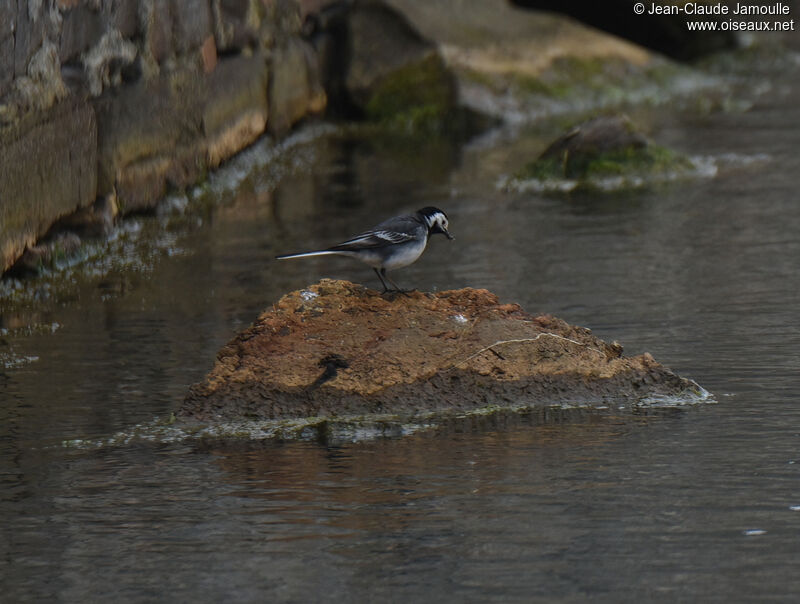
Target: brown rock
[
  {"x": 235, "y": 114},
  {"x": 338, "y": 348}
]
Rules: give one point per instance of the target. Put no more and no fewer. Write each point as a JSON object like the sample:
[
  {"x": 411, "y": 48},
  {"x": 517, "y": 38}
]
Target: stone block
[
  {"x": 232, "y": 28},
  {"x": 34, "y": 194},
  {"x": 158, "y": 30},
  {"x": 236, "y": 111},
  {"x": 81, "y": 28},
  {"x": 122, "y": 15},
  {"x": 295, "y": 89},
  {"x": 28, "y": 36},
  {"x": 191, "y": 24},
  {"x": 8, "y": 22},
  {"x": 149, "y": 138}
]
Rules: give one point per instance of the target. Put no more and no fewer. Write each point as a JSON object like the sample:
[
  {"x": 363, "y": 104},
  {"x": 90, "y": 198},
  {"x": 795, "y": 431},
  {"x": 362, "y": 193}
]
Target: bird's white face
[
  {"x": 437, "y": 219},
  {"x": 437, "y": 223}
]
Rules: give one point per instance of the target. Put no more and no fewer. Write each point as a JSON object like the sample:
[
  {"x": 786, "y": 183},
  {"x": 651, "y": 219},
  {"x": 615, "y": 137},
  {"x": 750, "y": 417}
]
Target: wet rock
[
  {"x": 575, "y": 154},
  {"x": 46, "y": 254},
  {"x": 96, "y": 220},
  {"x": 606, "y": 147},
  {"x": 339, "y": 349}
]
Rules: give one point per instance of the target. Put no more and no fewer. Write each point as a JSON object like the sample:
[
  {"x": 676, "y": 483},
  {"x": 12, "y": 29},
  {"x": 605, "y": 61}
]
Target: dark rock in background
[
  {"x": 666, "y": 34},
  {"x": 376, "y": 65}
]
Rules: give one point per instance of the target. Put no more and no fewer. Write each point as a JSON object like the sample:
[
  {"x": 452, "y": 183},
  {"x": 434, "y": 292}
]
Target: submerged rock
[
  {"x": 597, "y": 138},
  {"x": 338, "y": 349},
  {"x": 605, "y": 153}
]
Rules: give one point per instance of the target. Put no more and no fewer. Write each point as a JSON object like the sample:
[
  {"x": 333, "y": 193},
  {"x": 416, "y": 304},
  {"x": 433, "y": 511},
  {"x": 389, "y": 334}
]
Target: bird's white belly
[
  {"x": 405, "y": 254},
  {"x": 402, "y": 255}
]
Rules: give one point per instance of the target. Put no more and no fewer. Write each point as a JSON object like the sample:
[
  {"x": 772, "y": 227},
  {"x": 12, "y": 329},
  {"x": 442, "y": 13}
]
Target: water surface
[{"x": 699, "y": 504}]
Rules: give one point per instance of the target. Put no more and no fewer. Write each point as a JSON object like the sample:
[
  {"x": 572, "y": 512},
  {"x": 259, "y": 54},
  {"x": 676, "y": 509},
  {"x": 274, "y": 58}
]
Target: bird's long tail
[{"x": 305, "y": 254}]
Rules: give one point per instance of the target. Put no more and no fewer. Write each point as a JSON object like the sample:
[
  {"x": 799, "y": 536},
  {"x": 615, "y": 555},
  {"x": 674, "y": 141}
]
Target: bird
[{"x": 393, "y": 244}]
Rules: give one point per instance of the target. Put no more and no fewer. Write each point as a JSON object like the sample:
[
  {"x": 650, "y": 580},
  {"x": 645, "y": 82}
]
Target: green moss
[
  {"x": 629, "y": 161},
  {"x": 573, "y": 85},
  {"x": 493, "y": 82},
  {"x": 543, "y": 169},
  {"x": 651, "y": 159},
  {"x": 415, "y": 98},
  {"x": 570, "y": 76}
]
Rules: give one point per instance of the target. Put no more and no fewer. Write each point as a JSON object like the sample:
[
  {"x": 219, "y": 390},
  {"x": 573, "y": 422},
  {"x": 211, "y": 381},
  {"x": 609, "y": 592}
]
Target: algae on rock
[
  {"x": 602, "y": 152},
  {"x": 418, "y": 97}
]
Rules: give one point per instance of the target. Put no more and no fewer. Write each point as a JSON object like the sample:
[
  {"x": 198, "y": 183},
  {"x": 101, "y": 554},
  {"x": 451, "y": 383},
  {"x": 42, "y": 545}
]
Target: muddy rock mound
[{"x": 339, "y": 349}]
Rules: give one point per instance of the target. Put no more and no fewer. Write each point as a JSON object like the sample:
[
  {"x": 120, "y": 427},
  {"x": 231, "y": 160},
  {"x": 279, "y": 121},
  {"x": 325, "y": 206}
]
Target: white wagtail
[{"x": 392, "y": 244}]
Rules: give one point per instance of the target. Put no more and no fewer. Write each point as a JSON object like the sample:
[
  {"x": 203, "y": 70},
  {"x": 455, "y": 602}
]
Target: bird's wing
[{"x": 373, "y": 239}]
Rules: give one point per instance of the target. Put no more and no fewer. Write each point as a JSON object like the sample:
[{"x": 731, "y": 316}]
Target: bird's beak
[{"x": 447, "y": 234}]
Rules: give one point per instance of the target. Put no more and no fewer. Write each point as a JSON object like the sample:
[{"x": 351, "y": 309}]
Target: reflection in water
[{"x": 690, "y": 505}]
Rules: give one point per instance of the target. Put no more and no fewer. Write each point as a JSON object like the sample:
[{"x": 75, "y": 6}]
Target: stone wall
[{"x": 123, "y": 99}]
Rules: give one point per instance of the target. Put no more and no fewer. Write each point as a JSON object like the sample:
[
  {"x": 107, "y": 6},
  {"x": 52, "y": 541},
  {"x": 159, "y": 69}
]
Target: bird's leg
[
  {"x": 377, "y": 272},
  {"x": 396, "y": 287}
]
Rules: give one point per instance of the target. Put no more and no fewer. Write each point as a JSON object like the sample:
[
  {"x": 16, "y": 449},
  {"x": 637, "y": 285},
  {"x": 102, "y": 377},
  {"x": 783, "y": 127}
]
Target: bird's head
[{"x": 436, "y": 220}]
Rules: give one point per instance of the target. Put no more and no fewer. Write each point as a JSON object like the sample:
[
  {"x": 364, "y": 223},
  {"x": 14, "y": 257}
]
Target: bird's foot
[{"x": 393, "y": 293}]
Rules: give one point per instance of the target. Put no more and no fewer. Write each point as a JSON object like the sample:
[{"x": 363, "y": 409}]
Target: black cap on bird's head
[{"x": 436, "y": 220}]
